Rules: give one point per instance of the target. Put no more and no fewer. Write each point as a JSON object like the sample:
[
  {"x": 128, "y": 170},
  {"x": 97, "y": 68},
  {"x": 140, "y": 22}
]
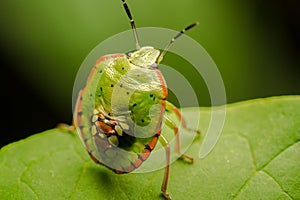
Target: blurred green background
[{"x": 255, "y": 45}]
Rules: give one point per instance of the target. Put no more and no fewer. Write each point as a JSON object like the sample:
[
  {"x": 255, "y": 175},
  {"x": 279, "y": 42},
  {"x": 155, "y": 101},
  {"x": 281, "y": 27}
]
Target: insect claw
[
  {"x": 187, "y": 158},
  {"x": 166, "y": 195},
  {"x": 66, "y": 127},
  {"x": 196, "y": 131}
]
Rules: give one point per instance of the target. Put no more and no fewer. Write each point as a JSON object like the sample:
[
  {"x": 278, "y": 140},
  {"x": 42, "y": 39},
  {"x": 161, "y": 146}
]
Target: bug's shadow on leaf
[{"x": 102, "y": 177}]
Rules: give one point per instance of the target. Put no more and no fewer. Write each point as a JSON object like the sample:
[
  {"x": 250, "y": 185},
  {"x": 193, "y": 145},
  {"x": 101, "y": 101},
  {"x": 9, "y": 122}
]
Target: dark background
[{"x": 255, "y": 45}]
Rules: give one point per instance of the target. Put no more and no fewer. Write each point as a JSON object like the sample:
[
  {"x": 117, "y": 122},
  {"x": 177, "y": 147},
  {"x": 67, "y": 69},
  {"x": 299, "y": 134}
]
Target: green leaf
[{"x": 256, "y": 157}]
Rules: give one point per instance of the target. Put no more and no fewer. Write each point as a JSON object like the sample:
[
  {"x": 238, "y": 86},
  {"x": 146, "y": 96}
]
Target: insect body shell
[{"x": 119, "y": 112}]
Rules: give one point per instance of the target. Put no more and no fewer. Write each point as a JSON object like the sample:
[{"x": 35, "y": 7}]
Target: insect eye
[{"x": 129, "y": 54}]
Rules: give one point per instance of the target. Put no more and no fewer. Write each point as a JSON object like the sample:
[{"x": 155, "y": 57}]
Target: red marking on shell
[
  {"x": 110, "y": 56},
  {"x": 163, "y": 101},
  {"x": 153, "y": 142},
  {"x": 146, "y": 154},
  {"x": 79, "y": 124},
  {"x": 129, "y": 168},
  {"x": 79, "y": 121},
  {"x": 163, "y": 83},
  {"x": 94, "y": 158},
  {"x": 102, "y": 59},
  {"x": 79, "y": 102},
  {"x": 138, "y": 163},
  {"x": 158, "y": 132},
  {"x": 118, "y": 171},
  {"x": 91, "y": 74}
]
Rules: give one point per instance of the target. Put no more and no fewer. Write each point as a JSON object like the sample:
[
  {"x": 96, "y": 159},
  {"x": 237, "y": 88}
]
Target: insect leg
[
  {"x": 164, "y": 185},
  {"x": 170, "y": 107},
  {"x": 174, "y": 127},
  {"x": 66, "y": 127}
]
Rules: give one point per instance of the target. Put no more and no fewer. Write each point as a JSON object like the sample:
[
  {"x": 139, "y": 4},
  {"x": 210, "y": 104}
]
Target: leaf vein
[
  {"x": 24, "y": 183},
  {"x": 254, "y": 165},
  {"x": 250, "y": 148},
  {"x": 276, "y": 155},
  {"x": 277, "y": 182},
  {"x": 243, "y": 186}
]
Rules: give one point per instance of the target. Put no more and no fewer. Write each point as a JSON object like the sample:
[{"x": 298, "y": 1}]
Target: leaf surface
[{"x": 256, "y": 157}]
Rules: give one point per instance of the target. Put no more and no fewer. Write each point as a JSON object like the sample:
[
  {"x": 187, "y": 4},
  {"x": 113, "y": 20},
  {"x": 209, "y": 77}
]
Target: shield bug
[{"x": 120, "y": 111}]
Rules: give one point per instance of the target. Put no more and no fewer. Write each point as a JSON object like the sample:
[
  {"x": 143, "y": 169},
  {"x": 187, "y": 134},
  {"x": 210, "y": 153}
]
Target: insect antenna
[
  {"x": 159, "y": 59},
  {"x": 136, "y": 38}
]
